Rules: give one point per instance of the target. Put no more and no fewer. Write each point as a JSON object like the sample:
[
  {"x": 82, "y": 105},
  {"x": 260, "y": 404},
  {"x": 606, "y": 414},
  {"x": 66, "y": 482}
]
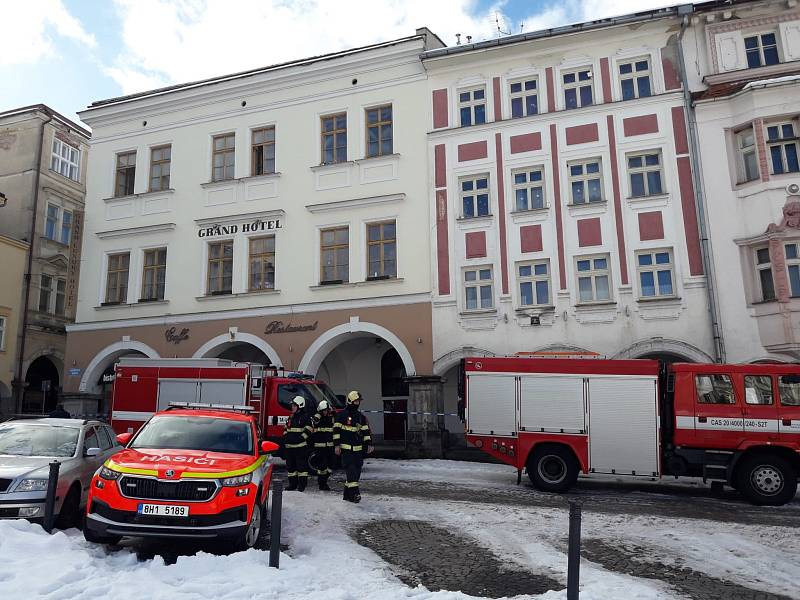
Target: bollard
[
  {"x": 275, "y": 523},
  {"x": 50, "y": 498},
  {"x": 574, "y": 550}
]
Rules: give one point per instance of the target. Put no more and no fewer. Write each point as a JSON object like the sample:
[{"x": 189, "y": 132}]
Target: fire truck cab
[{"x": 556, "y": 417}]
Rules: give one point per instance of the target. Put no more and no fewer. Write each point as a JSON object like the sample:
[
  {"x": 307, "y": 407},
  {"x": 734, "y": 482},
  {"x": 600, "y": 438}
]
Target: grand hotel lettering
[{"x": 254, "y": 227}]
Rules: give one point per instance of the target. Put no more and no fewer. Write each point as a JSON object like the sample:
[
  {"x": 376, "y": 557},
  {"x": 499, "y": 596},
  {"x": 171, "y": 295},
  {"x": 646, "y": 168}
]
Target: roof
[
  {"x": 51, "y": 421},
  {"x": 729, "y": 88},
  {"x": 55, "y": 115}
]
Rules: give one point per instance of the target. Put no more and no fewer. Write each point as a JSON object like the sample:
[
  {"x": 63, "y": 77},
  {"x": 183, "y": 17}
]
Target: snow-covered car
[
  {"x": 193, "y": 472},
  {"x": 27, "y": 447}
]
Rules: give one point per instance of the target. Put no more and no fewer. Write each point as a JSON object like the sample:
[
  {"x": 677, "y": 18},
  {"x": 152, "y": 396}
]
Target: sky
[{"x": 69, "y": 53}]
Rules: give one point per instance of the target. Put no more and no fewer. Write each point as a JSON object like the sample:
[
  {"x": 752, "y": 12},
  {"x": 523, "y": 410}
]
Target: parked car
[
  {"x": 197, "y": 471},
  {"x": 27, "y": 447}
]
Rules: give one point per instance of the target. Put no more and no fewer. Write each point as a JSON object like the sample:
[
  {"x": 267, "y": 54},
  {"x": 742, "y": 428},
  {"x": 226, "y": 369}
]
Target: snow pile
[{"x": 771, "y": 81}]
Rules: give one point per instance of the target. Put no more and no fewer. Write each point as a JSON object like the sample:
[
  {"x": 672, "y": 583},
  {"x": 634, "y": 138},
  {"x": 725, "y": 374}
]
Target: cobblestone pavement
[
  {"x": 639, "y": 562},
  {"x": 422, "y": 553}
]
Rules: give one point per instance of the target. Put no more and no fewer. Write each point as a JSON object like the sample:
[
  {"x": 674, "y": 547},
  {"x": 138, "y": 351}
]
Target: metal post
[
  {"x": 50, "y": 499},
  {"x": 574, "y": 550},
  {"x": 275, "y": 523}
]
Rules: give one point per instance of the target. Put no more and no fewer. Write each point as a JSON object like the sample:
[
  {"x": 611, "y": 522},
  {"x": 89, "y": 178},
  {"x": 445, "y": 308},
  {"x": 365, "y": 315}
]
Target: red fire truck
[
  {"x": 144, "y": 386},
  {"x": 556, "y": 417}
]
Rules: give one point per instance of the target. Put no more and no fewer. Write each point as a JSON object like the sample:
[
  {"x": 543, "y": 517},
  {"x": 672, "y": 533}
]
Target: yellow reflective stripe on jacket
[
  {"x": 192, "y": 475},
  {"x": 365, "y": 428},
  {"x": 293, "y": 446},
  {"x": 295, "y": 429},
  {"x": 351, "y": 484},
  {"x": 351, "y": 448},
  {"x": 320, "y": 444},
  {"x": 354, "y": 429},
  {"x": 324, "y": 429},
  {"x": 129, "y": 470}
]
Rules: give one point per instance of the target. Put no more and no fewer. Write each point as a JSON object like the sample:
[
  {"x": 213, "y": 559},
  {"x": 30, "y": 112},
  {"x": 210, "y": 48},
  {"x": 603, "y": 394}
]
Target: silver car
[{"x": 27, "y": 447}]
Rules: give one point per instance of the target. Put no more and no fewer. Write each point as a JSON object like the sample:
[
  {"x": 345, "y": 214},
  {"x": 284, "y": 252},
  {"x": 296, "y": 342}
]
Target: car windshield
[
  {"x": 196, "y": 433},
  {"x": 332, "y": 398},
  {"x": 28, "y": 439}
]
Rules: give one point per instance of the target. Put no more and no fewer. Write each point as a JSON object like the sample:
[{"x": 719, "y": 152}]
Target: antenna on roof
[
  {"x": 469, "y": 39},
  {"x": 500, "y": 31},
  {"x": 458, "y": 39}
]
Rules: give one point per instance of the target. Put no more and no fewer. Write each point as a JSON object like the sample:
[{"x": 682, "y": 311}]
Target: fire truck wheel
[
  {"x": 766, "y": 479},
  {"x": 552, "y": 468}
]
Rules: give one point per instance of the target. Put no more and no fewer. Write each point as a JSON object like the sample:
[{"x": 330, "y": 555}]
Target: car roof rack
[{"x": 202, "y": 406}]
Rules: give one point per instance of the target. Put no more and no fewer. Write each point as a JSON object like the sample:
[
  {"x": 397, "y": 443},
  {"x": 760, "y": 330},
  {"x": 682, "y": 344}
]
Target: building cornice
[
  {"x": 240, "y": 217},
  {"x": 16, "y": 243},
  {"x": 354, "y": 203},
  {"x": 143, "y": 230}
]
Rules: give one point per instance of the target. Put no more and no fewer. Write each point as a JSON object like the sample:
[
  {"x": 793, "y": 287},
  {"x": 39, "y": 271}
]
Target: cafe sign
[{"x": 255, "y": 227}]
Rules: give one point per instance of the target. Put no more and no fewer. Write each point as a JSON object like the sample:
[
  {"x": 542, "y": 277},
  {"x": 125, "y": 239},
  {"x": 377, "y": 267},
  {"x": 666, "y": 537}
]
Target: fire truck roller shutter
[
  {"x": 623, "y": 425},
  {"x": 496, "y": 414},
  {"x": 177, "y": 390},
  {"x": 223, "y": 391},
  {"x": 552, "y": 403}
]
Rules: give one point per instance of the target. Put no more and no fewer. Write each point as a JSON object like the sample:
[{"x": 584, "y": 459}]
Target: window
[
  {"x": 644, "y": 173},
  {"x": 714, "y": 389},
  {"x": 220, "y": 268},
  {"x": 104, "y": 438},
  {"x": 578, "y": 88},
  {"x": 117, "y": 278},
  {"x": 764, "y": 274},
  {"x": 55, "y": 217},
  {"x": 223, "y": 157},
  {"x": 126, "y": 174},
  {"x": 262, "y": 263},
  {"x": 782, "y": 145},
  {"x": 66, "y": 227},
  {"x": 45, "y": 293},
  {"x": 334, "y": 255},
  {"x": 793, "y": 266},
  {"x": 160, "y": 161},
  {"x": 90, "y": 439},
  {"x": 381, "y": 250},
  {"x": 748, "y": 159},
  {"x": 66, "y": 160},
  {"x": 475, "y": 196},
  {"x": 51, "y": 224},
  {"x": 334, "y": 138},
  {"x": 472, "y": 106},
  {"x": 761, "y": 49},
  {"x": 528, "y": 188},
  {"x": 534, "y": 283},
  {"x": 593, "y": 279},
  {"x": 61, "y": 297},
  {"x": 263, "y": 151},
  {"x": 379, "y": 131},
  {"x": 634, "y": 79},
  {"x": 2, "y": 333},
  {"x": 154, "y": 274},
  {"x": 789, "y": 390},
  {"x": 758, "y": 389},
  {"x": 478, "y": 288},
  {"x": 655, "y": 273},
  {"x": 586, "y": 181},
  {"x": 524, "y": 98}
]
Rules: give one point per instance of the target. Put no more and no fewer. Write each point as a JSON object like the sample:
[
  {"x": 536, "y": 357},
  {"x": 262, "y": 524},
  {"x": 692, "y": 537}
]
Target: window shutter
[
  {"x": 730, "y": 52},
  {"x": 790, "y": 40}
]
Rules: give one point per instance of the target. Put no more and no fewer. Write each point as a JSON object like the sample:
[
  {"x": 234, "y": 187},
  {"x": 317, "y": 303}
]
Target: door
[
  {"x": 718, "y": 415},
  {"x": 492, "y": 404},
  {"x": 552, "y": 403},
  {"x": 394, "y": 419},
  {"x": 789, "y": 409},
  {"x": 760, "y": 408},
  {"x": 222, "y": 391},
  {"x": 177, "y": 390}
]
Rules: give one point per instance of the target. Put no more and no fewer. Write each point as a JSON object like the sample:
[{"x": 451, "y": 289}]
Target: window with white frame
[
  {"x": 594, "y": 278},
  {"x": 747, "y": 159},
  {"x": 528, "y": 188},
  {"x": 766, "y": 284},
  {"x": 61, "y": 297},
  {"x": 45, "y": 292},
  {"x": 51, "y": 222},
  {"x": 117, "y": 278},
  {"x": 474, "y": 196},
  {"x": 160, "y": 168},
  {"x": 524, "y": 96},
  {"x": 472, "y": 106},
  {"x": 644, "y": 174},
  {"x": 334, "y": 255},
  {"x": 2, "y": 333},
  {"x": 66, "y": 227},
  {"x": 154, "y": 274},
  {"x": 793, "y": 267},
  {"x": 262, "y": 263},
  {"x": 381, "y": 250},
  {"x": 219, "y": 280},
  {"x": 66, "y": 160},
  {"x": 533, "y": 279},
  {"x": 656, "y": 273},
  {"x": 761, "y": 49},
  {"x": 334, "y": 138},
  {"x": 586, "y": 181},
  {"x": 478, "y": 293},
  {"x": 782, "y": 145},
  {"x": 58, "y": 224},
  {"x": 578, "y": 88},
  {"x": 634, "y": 78}
]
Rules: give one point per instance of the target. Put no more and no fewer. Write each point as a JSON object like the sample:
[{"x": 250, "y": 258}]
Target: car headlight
[
  {"x": 32, "y": 485},
  {"x": 237, "y": 481},
  {"x": 110, "y": 474}
]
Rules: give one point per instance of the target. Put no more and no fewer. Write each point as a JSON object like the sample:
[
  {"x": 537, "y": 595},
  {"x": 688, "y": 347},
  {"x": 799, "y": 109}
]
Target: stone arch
[
  {"x": 676, "y": 348},
  {"x": 447, "y": 361},
  {"x": 225, "y": 339},
  {"x": 55, "y": 356},
  {"x": 106, "y": 356},
  {"x": 334, "y": 336}
]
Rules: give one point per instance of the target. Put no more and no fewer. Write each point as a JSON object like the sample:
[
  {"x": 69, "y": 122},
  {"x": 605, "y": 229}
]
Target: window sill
[
  {"x": 523, "y": 310},
  {"x": 530, "y": 211},
  {"x": 334, "y": 165},
  {"x": 660, "y": 196},
  {"x": 479, "y": 218},
  {"x": 352, "y": 284},
  {"x": 131, "y": 304},
  {"x": 75, "y": 181},
  {"x": 238, "y": 180},
  {"x": 602, "y": 203},
  {"x": 589, "y": 305},
  {"x": 152, "y": 301},
  {"x": 394, "y": 155},
  {"x": 236, "y": 295},
  {"x": 48, "y": 240},
  {"x": 478, "y": 312},
  {"x": 139, "y": 195},
  {"x": 761, "y": 302},
  {"x": 657, "y": 299}
]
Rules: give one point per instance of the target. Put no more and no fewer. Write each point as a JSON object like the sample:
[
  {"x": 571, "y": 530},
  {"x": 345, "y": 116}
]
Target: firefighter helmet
[
  {"x": 353, "y": 397},
  {"x": 323, "y": 406},
  {"x": 300, "y": 401}
]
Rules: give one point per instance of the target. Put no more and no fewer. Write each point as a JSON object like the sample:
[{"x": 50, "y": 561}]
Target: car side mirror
[
  {"x": 91, "y": 452},
  {"x": 124, "y": 438},
  {"x": 269, "y": 447}
]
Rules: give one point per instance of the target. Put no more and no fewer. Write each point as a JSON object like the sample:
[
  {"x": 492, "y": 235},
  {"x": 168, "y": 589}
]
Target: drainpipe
[
  {"x": 705, "y": 242},
  {"x": 28, "y": 268}
]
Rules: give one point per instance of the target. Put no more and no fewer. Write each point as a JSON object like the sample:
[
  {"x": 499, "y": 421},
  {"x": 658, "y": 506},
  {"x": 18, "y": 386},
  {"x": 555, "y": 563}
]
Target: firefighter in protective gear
[
  {"x": 351, "y": 435},
  {"x": 323, "y": 444},
  {"x": 296, "y": 437}
]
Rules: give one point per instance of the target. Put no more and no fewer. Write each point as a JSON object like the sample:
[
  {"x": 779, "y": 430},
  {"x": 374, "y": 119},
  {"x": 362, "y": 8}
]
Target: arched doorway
[
  {"x": 241, "y": 347},
  {"x": 42, "y": 386},
  {"x": 92, "y": 377},
  {"x": 241, "y": 352},
  {"x": 665, "y": 349},
  {"x": 394, "y": 394}
]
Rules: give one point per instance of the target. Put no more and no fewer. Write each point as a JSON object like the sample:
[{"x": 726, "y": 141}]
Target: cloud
[{"x": 32, "y": 27}]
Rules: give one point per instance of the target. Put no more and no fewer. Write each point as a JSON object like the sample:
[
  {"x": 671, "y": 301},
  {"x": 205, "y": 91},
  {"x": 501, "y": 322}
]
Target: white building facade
[{"x": 278, "y": 216}]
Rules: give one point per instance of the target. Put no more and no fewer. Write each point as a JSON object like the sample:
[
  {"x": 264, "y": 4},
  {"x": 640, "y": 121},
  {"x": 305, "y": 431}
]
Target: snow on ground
[{"x": 325, "y": 563}]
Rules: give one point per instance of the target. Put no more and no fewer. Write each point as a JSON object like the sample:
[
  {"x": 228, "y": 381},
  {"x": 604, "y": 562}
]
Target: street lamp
[{"x": 3, "y": 200}]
